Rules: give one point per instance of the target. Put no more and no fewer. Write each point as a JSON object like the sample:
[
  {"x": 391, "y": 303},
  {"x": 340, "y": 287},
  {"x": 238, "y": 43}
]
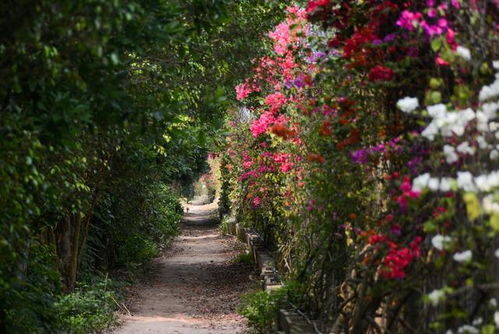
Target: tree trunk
[{"x": 70, "y": 236}]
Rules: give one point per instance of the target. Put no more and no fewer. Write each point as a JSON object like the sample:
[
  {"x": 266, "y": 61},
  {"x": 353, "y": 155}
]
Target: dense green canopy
[{"x": 104, "y": 105}]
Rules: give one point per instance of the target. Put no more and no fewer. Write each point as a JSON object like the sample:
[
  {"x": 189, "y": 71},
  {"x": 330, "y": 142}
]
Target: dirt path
[{"x": 194, "y": 287}]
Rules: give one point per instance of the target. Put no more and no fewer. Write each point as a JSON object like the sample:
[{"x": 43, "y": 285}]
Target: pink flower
[
  {"x": 262, "y": 124},
  {"x": 275, "y": 101},
  {"x": 408, "y": 19},
  {"x": 439, "y": 60},
  {"x": 256, "y": 202},
  {"x": 242, "y": 91}
]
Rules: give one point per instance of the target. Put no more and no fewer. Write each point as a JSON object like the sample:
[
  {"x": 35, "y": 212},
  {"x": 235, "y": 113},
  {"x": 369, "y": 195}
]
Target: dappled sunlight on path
[{"x": 194, "y": 287}]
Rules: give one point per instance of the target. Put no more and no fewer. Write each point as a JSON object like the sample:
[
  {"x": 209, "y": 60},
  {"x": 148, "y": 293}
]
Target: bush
[
  {"x": 89, "y": 309},
  {"x": 261, "y": 308}
]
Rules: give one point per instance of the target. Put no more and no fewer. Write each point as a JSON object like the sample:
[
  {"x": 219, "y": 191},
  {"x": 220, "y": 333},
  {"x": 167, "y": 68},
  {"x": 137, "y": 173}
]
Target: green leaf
[{"x": 436, "y": 44}]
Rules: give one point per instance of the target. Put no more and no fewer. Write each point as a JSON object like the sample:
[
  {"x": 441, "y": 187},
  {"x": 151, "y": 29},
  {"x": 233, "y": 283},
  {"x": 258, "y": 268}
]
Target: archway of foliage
[
  {"x": 365, "y": 150},
  {"x": 105, "y": 110}
]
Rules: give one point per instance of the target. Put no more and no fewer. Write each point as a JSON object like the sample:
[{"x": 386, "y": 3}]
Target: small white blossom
[
  {"x": 482, "y": 143},
  {"x": 408, "y": 104},
  {"x": 465, "y": 147},
  {"x": 420, "y": 182},
  {"x": 490, "y": 109},
  {"x": 467, "y": 329},
  {"x": 496, "y": 318},
  {"x": 490, "y": 205},
  {"x": 487, "y": 182},
  {"x": 450, "y": 154},
  {"x": 464, "y": 52},
  {"x": 495, "y": 64},
  {"x": 437, "y": 110},
  {"x": 430, "y": 131},
  {"x": 482, "y": 122},
  {"x": 496, "y": 253},
  {"x": 463, "y": 256},
  {"x": 493, "y": 302},
  {"x": 439, "y": 241},
  {"x": 433, "y": 183},
  {"x": 477, "y": 321},
  {"x": 489, "y": 91},
  {"x": 435, "y": 296},
  {"x": 445, "y": 184},
  {"x": 494, "y": 154},
  {"x": 465, "y": 181}
]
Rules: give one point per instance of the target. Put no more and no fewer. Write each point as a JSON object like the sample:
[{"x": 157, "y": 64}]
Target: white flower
[
  {"x": 467, "y": 329},
  {"x": 435, "y": 296},
  {"x": 467, "y": 115},
  {"x": 494, "y": 154},
  {"x": 482, "y": 121},
  {"x": 487, "y": 182},
  {"x": 490, "y": 109},
  {"x": 430, "y": 131},
  {"x": 433, "y": 183},
  {"x": 490, "y": 205},
  {"x": 495, "y": 64},
  {"x": 482, "y": 143},
  {"x": 496, "y": 318},
  {"x": 489, "y": 91},
  {"x": 463, "y": 256},
  {"x": 493, "y": 302},
  {"x": 449, "y": 331},
  {"x": 420, "y": 182},
  {"x": 437, "y": 110},
  {"x": 439, "y": 241},
  {"x": 450, "y": 154},
  {"x": 464, "y": 52},
  {"x": 477, "y": 321},
  {"x": 465, "y": 181},
  {"x": 465, "y": 147},
  {"x": 408, "y": 104},
  {"x": 445, "y": 184}
]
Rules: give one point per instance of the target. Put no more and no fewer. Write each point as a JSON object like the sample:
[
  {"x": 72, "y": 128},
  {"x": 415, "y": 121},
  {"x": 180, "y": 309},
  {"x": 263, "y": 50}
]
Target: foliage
[
  {"x": 90, "y": 308},
  {"x": 261, "y": 308},
  {"x": 100, "y": 102},
  {"x": 364, "y": 149},
  {"x": 244, "y": 257}
]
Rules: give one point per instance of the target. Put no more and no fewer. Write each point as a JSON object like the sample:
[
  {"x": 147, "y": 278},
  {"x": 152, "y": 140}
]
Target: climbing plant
[{"x": 364, "y": 149}]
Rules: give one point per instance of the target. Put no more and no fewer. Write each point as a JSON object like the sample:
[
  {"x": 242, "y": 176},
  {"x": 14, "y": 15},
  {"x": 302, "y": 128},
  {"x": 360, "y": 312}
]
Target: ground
[{"x": 194, "y": 287}]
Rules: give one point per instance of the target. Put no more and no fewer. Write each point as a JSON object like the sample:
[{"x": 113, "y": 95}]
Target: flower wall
[{"x": 365, "y": 149}]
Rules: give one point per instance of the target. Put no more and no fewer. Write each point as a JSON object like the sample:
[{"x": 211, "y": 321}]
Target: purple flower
[
  {"x": 360, "y": 156},
  {"x": 390, "y": 37},
  {"x": 316, "y": 56}
]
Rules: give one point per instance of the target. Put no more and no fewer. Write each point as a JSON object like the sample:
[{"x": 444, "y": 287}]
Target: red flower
[
  {"x": 313, "y": 4},
  {"x": 325, "y": 129},
  {"x": 380, "y": 73}
]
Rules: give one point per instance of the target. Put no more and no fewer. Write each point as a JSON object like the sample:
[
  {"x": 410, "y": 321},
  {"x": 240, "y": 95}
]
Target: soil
[{"x": 195, "y": 286}]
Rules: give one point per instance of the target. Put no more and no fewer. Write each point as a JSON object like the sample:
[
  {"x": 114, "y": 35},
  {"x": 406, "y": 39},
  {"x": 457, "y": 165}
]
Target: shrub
[{"x": 90, "y": 308}]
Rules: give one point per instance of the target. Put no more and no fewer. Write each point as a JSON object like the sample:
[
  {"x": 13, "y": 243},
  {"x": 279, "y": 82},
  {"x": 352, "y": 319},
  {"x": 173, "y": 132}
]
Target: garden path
[{"x": 194, "y": 287}]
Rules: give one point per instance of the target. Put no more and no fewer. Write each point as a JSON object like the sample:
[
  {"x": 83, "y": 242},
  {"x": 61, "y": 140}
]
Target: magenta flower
[{"x": 256, "y": 202}]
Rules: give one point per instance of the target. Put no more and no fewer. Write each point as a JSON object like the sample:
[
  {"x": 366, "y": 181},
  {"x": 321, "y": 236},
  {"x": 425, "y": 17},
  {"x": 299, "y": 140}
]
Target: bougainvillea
[{"x": 370, "y": 162}]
